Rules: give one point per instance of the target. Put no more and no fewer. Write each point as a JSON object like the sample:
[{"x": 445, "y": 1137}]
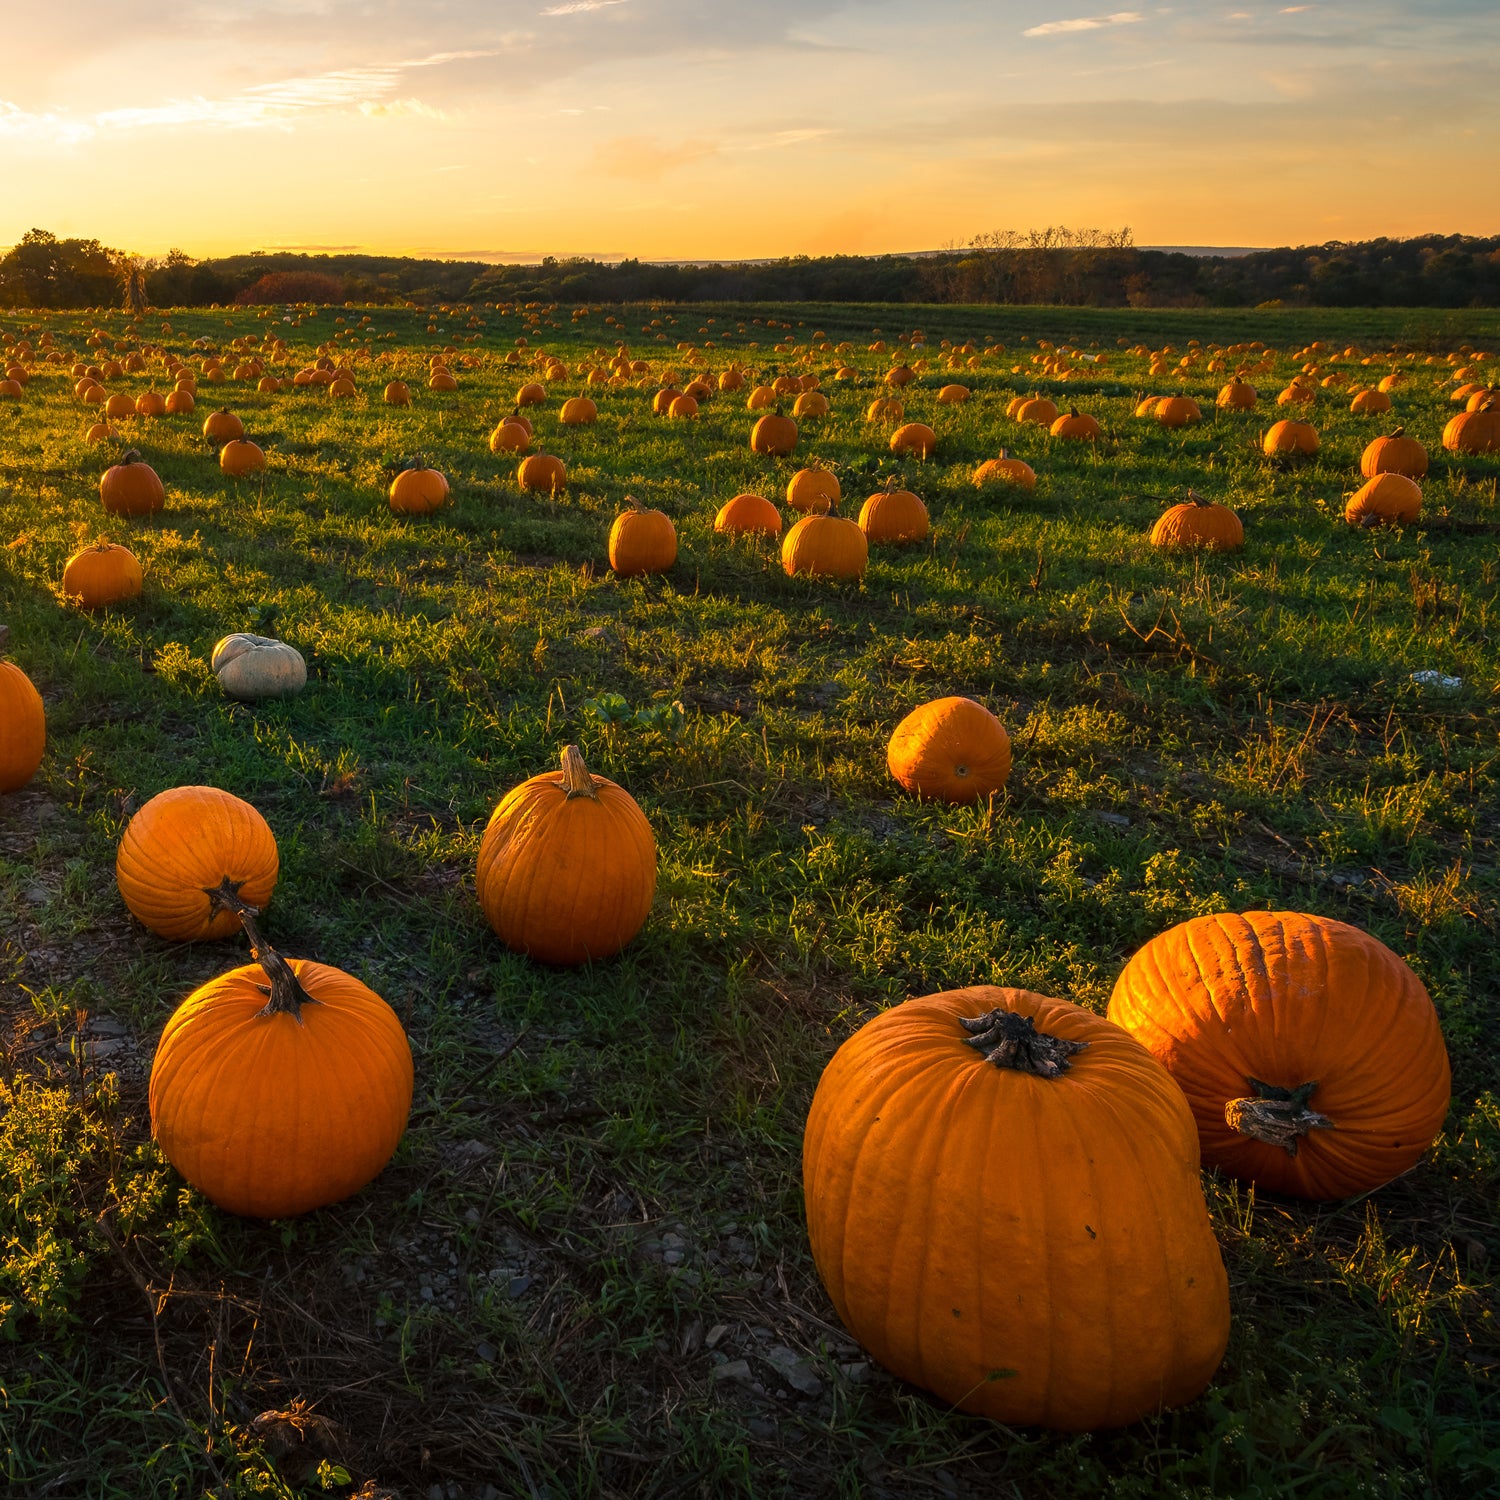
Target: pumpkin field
[{"x": 535, "y": 1222}]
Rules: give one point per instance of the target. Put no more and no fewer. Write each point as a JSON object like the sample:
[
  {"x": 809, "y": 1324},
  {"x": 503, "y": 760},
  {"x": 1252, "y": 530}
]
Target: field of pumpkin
[{"x": 733, "y": 900}]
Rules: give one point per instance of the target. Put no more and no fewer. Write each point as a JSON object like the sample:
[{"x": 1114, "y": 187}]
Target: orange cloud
[{"x": 645, "y": 159}]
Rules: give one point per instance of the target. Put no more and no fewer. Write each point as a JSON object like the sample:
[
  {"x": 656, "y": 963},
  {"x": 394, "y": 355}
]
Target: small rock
[
  {"x": 715, "y": 1334},
  {"x": 794, "y": 1369},
  {"x": 38, "y": 895},
  {"x": 761, "y": 1427},
  {"x": 733, "y": 1369},
  {"x": 487, "y": 1352},
  {"x": 672, "y": 1257},
  {"x": 857, "y": 1372},
  {"x": 672, "y": 1242},
  {"x": 428, "y": 1294},
  {"x": 519, "y": 1286},
  {"x": 107, "y": 1026},
  {"x": 1118, "y": 820}
]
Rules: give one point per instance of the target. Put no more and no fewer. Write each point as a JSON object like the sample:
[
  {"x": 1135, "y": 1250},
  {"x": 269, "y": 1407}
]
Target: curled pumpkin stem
[
  {"x": 1277, "y": 1116},
  {"x": 1010, "y": 1040},
  {"x": 576, "y": 778},
  {"x": 285, "y": 992}
]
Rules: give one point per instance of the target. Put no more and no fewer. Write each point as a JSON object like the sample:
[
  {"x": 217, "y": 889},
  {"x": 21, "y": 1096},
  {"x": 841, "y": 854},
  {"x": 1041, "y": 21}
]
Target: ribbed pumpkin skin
[
  {"x": 894, "y": 516},
  {"x": 967, "y": 1219},
  {"x": 1188, "y": 525},
  {"x": 567, "y": 880},
  {"x": 23, "y": 728},
  {"x": 950, "y": 750},
  {"x": 826, "y": 547},
  {"x": 748, "y": 513},
  {"x": 184, "y": 842},
  {"x": 642, "y": 541},
  {"x": 272, "y": 1115},
  {"x": 1288, "y": 999},
  {"x": 103, "y": 574}
]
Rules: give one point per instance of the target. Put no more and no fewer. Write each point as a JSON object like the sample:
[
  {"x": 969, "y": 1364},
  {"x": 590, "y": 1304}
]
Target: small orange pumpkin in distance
[
  {"x": 1178, "y": 411},
  {"x": 23, "y": 724},
  {"x": 825, "y": 547},
  {"x": 1199, "y": 523},
  {"x": 974, "y": 1206},
  {"x": 1310, "y": 1054},
  {"x": 397, "y": 393},
  {"x": 179, "y": 403},
  {"x": 1386, "y": 500},
  {"x": 510, "y": 437},
  {"x": 950, "y": 750},
  {"x": 774, "y": 435},
  {"x": 914, "y": 437},
  {"x": 1037, "y": 410},
  {"x": 417, "y": 490},
  {"x": 578, "y": 411},
  {"x": 131, "y": 487},
  {"x": 531, "y": 394},
  {"x": 150, "y": 404},
  {"x": 102, "y": 574},
  {"x": 642, "y": 541},
  {"x": 1236, "y": 396},
  {"x": 542, "y": 472},
  {"x": 241, "y": 456},
  {"x": 567, "y": 866},
  {"x": 813, "y": 490},
  {"x": 183, "y": 844},
  {"x": 894, "y": 515},
  {"x": 1005, "y": 470},
  {"x": 1370, "y": 402},
  {"x": 1290, "y": 439},
  {"x": 1395, "y": 453},
  {"x": 272, "y": 1108},
  {"x": 748, "y": 514}
]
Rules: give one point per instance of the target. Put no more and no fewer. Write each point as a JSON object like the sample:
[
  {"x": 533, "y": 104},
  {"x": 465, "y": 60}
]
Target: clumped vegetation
[
  {"x": 586, "y": 1271},
  {"x": 1077, "y": 268}
]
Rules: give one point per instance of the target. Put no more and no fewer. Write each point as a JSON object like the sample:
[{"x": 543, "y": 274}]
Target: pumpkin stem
[
  {"x": 1010, "y": 1040},
  {"x": 576, "y": 780},
  {"x": 285, "y": 989},
  {"x": 1275, "y": 1115}
]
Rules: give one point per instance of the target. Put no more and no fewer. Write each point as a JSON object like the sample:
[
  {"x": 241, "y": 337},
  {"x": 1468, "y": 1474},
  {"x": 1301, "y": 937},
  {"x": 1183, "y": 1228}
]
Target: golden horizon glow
[{"x": 500, "y": 130}]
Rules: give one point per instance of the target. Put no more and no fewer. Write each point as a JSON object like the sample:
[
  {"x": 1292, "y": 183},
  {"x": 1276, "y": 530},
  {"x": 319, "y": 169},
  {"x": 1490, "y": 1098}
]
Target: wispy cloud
[
  {"x": 1084, "y": 23},
  {"x": 578, "y": 7},
  {"x": 274, "y": 105}
]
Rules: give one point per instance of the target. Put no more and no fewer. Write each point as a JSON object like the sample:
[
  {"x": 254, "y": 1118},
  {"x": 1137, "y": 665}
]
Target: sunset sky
[{"x": 669, "y": 129}]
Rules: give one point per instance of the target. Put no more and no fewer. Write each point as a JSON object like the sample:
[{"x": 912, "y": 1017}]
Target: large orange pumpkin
[
  {"x": 813, "y": 490},
  {"x": 23, "y": 726},
  {"x": 984, "y": 1171},
  {"x": 1290, "y": 439},
  {"x": 1310, "y": 1053},
  {"x": 774, "y": 435},
  {"x": 131, "y": 488},
  {"x": 241, "y": 456},
  {"x": 417, "y": 491},
  {"x": 102, "y": 574},
  {"x": 567, "y": 866},
  {"x": 914, "y": 437},
  {"x": 1005, "y": 470},
  {"x": 276, "y": 1107},
  {"x": 543, "y": 472},
  {"x": 1474, "y": 432},
  {"x": 894, "y": 515},
  {"x": 748, "y": 513},
  {"x": 184, "y": 844},
  {"x": 1388, "y": 499},
  {"x": 1199, "y": 523},
  {"x": 950, "y": 750},
  {"x": 826, "y": 547},
  {"x": 642, "y": 541},
  {"x": 1395, "y": 453}
]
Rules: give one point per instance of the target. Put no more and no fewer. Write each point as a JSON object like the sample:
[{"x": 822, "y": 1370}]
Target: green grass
[{"x": 1192, "y": 734}]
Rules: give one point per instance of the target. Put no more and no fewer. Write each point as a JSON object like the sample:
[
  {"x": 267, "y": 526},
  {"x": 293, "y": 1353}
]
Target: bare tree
[{"x": 131, "y": 271}]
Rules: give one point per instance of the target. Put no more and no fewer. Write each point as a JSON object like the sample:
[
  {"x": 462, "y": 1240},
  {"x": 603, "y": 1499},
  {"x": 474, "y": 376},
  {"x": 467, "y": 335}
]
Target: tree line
[{"x": 1056, "y": 265}]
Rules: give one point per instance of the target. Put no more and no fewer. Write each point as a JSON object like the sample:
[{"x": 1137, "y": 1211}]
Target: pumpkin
[
  {"x": 100, "y": 432},
  {"x": 1004, "y": 470},
  {"x": 241, "y": 456},
  {"x": 825, "y": 547},
  {"x": 813, "y": 490},
  {"x": 1290, "y": 439},
  {"x": 1077, "y": 427},
  {"x": 567, "y": 866},
  {"x": 23, "y": 725},
  {"x": 150, "y": 404},
  {"x": 397, "y": 393},
  {"x": 119, "y": 405},
  {"x": 683, "y": 407},
  {"x": 1199, "y": 523},
  {"x": 1178, "y": 411},
  {"x": 953, "y": 395},
  {"x": 1236, "y": 396},
  {"x": 984, "y": 1171},
  {"x": 101, "y": 575},
  {"x": 1310, "y": 1054},
  {"x": 272, "y": 1107},
  {"x": 510, "y": 437},
  {"x": 761, "y": 398},
  {"x": 1394, "y": 454},
  {"x": 1388, "y": 499},
  {"x": 748, "y": 513},
  {"x": 1474, "y": 431},
  {"x": 542, "y": 472},
  {"x": 1370, "y": 403},
  {"x": 950, "y": 750},
  {"x": 914, "y": 437},
  {"x": 894, "y": 515},
  {"x": 417, "y": 491},
  {"x": 1039, "y": 410},
  {"x": 131, "y": 488},
  {"x": 1146, "y": 406},
  {"x": 185, "y": 843},
  {"x": 578, "y": 411},
  {"x": 642, "y": 541},
  {"x": 531, "y": 394},
  {"x": 810, "y": 404},
  {"x": 885, "y": 409},
  {"x": 774, "y": 435},
  {"x": 179, "y": 402},
  {"x": 257, "y": 666},
  {"x": 441, "y": 380},
  {"x": 222, "y": 426}
]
